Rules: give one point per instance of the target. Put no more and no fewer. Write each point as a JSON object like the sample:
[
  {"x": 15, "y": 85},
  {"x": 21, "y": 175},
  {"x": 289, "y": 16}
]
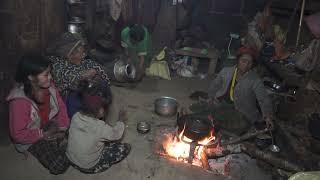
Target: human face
[
  {"x": 101, "y": 113},
  {"x": 244, "y": 63},
  {"x": 42, "y": 80},
  {"x": 77, "y": 55}
]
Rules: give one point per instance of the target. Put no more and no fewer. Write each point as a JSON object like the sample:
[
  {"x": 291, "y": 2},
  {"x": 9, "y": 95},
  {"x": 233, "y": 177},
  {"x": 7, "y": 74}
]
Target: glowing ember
[{"x": 178, "y": 147}]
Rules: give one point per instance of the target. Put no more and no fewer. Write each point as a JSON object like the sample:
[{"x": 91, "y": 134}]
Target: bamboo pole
[{"x": 300, "y": 22}]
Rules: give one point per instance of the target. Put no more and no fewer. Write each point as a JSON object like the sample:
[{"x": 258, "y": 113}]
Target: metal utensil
[
  {"x": 74, "y": 28},
  {"x": 143, "y": 127},
  {"x": 124, "y": 72},
  {"x": 273, "y": 148},
  {"x": 166, "y": 106},
  {"x": 75, "y": 24}
]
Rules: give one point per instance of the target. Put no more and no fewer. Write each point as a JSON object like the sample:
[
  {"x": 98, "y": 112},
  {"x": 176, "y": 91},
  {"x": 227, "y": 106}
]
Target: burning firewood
[
  {"x": 204, "y": 161},
  {"x": 221, "y": 151}
]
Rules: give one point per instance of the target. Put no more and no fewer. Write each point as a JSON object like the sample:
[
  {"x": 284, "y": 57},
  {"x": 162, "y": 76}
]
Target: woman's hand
[
  {"x": 49, "y": 134},
  {"x": 123, "y": 116},
  {"x": 88, "y": 74},
  {"x": 53, "y": 133},
  {"x": 213, "y": 101},
  {"x": 269, "y": 122}
]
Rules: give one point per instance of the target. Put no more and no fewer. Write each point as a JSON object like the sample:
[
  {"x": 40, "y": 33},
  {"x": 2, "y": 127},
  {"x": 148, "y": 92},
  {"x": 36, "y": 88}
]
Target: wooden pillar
[
  {"x": 52, "y": 21},
  {"x": 31, "y": 24},
  {"x": 164, "y": 33},
  {"x": 28, "y": 20},
  {"x": 90, "y": 20}
]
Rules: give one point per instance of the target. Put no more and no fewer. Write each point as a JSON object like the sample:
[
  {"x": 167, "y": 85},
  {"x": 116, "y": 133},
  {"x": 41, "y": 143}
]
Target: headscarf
[
  {"x": 65, "y": 45},
  {"x": 247, "y": 50}
]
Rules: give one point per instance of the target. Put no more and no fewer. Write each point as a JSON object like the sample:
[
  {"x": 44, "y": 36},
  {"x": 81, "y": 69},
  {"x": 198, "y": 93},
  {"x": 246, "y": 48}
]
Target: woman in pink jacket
[{"x": 38, "y": 117}]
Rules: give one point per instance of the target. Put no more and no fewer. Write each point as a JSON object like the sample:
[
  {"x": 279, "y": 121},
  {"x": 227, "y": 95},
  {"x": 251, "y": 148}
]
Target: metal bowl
[
  {"x": 166, "y": 106},
  {"x": 143, "y": 127}
]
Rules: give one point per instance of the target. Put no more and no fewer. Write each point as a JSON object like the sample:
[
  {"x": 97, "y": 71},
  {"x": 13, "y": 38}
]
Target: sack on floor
[{"x": 159, "y": 67}]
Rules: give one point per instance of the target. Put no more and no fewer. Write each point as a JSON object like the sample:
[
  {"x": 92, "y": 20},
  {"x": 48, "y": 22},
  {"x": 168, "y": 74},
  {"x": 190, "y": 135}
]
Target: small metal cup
[{"x": 143, "y": 127}]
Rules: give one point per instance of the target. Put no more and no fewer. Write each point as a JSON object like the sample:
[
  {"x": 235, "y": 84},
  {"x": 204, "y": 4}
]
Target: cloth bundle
[{"x": 159, "y": 67}]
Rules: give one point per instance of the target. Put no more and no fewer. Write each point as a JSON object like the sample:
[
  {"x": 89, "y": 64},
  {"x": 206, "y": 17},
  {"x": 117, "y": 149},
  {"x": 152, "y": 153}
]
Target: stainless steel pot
[
  {"x": 75, "y": 25},
  {"x": 166, "y": 106},
  {"x": 74, "y": 28},
  {"x": 76, "y": 20},
  {"x": 124, "y": 72}
]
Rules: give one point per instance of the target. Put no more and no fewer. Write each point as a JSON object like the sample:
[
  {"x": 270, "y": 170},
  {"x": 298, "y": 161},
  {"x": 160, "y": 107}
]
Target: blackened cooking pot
[{"x": 195, "y": 127}]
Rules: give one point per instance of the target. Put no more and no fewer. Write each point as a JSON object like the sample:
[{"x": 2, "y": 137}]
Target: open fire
[{"x": 179, "y": 147}]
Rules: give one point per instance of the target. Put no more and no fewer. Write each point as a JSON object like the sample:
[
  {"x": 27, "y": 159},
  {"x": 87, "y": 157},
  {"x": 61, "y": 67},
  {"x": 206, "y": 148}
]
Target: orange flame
[{"x": 178, "y": 147}]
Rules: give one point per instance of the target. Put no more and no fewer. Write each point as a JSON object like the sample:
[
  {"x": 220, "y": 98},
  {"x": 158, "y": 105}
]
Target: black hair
[
  {"x": 137, "y": 32},
  {"x": 101, "y": 89},
  {"x": 30, "y": 64}
]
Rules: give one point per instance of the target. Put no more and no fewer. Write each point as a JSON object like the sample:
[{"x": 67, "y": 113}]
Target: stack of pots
[{"x": 76, "y": 21}]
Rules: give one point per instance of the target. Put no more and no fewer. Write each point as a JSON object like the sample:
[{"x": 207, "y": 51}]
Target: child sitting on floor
[{"x": 91, "y": 147}]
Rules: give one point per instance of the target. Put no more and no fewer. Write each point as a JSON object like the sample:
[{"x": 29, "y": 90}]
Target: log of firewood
[
  {"x": 221, "y": 151},
  {"x": 245, "y": 137},
  {"x": 270, "y": 158},
  {"x": 299, "y": 148},
  {"x": 204, "y": 161}
]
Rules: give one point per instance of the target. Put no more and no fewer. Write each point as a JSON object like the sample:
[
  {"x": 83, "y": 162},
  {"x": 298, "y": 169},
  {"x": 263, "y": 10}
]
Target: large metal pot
[
  {"x": 76, "y": 20},
  {"x": 124, "y": 72},
  {"x": 195, "y": 127},
  {"x": 75, "y": 25},
  {"x": 74, "y": 28},
  {"x": 166, "y": 106}
]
